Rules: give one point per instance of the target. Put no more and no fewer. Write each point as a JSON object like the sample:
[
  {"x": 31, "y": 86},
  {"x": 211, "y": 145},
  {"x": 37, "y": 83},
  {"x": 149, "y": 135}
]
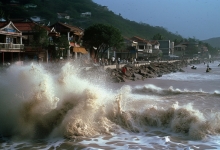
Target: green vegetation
[
  {"x": 102, "y": 37},
  {"x": 40, "y": 38},
  {"x": 48, "y": 9},
  {"x": 215, "y": 42},
  {"x": 62, "y": 45},
  {"x": 158, "y": 36}
]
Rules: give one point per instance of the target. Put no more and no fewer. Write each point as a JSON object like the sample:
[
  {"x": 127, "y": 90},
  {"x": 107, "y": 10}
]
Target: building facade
[{"x": 11, "y": 46}]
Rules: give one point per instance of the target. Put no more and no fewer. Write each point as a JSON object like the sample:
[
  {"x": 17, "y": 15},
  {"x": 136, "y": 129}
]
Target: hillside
[
  {"x": 214, "y": 42},
  {"x": 48, "y": 10}
]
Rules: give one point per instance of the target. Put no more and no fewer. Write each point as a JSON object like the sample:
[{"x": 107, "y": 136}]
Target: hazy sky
[{"x": 189, "y": 18}]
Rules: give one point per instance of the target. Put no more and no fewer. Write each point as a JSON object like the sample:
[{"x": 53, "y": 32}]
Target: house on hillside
[
  {"x": 14, "y": 3},
  {"x": 105, "y": 7},
  {"x": 63, "y": 16},
  {"x": 30, "y": 6},
  {"x": 73, "y": 35},
  {"x": 11, "y": 46},
  {"x": 37, "y": 19},
  {"x": 86, "y": 14}
]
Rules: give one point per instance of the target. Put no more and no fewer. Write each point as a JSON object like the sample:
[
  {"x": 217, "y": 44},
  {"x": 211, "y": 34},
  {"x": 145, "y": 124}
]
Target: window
[
  {"x": 8, "y": 39},
  {"x": 141, "y": 46}
]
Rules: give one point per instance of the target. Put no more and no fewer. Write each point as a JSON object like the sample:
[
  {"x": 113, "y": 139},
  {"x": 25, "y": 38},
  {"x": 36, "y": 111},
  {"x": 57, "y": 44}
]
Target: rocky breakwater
[
  {"x": 141, "y": 72},
  {"x": 130, "y": 72}
]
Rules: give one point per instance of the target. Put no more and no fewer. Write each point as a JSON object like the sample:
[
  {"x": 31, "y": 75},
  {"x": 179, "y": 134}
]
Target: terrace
[{"x": 10, "y": 47}]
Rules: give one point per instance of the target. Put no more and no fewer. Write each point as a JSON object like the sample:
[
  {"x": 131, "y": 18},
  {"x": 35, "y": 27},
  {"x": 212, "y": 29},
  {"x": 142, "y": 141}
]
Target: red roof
[
  {"x": 24, "y": 26},
  {"x": 71, "y": 28},
  {"x": 27, "y": 26},
  {"x": 138, "y": 39},
  {"x": 154, "y": 42},
  {"x": 3, "y": 24}
]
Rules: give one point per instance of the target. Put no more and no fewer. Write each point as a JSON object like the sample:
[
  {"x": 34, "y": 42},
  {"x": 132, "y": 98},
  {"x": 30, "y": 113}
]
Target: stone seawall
[
  {"x": 131, "y": 72},
  {"x": 141, "y": 72}
]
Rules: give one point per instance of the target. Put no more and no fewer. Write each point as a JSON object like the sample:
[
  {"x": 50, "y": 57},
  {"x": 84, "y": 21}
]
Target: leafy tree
[
  {"x": 13, "y": 12},
  {"x": 5, "y": 1},
  {"x": 102, "y": 37},
  {"x": 40, "y": 38},
  {"x": 176, "y": 41},
  {"x": 158, "y": 36},
  {"x": 62, "y": 45},
  {"x": 212, "y": 50},
  {"x": 25, "y": 1}
]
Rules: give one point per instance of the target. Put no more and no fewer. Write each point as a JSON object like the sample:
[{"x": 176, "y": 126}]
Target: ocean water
[{"x": 55, "y": 107}]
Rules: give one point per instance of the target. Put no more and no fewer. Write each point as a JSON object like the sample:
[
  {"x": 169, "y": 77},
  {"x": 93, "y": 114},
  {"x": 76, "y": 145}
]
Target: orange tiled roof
[
  {"x": 154, "y": 42},
  {"x": 24, "y": 26},
  {"x": 3, "y": 24},
  {"x": 28, "y": 26},
  {"x": 138, "y": 39},
  {"x": 74, "y": 29}
]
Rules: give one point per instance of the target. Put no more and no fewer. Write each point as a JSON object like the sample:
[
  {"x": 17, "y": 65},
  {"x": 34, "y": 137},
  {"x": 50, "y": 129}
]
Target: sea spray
[{"x": 37, "y": 103}]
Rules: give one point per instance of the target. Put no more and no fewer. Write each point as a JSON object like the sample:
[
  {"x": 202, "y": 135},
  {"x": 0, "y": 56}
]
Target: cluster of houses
[{"x": 16, "y": 38}]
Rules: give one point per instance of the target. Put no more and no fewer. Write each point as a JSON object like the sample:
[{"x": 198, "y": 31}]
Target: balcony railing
[{"x": 9, "y": 46}]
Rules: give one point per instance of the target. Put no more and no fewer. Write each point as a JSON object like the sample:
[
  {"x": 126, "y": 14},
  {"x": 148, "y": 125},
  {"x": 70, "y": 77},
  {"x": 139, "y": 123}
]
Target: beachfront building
[
  {"x": 144, "y": 47},
  {"x": 203, "y": 52},
  {"x": 156, "y": 52},
  {"x": 31, "y": 50},
  {"x": 11, "y": 46},
  {"x": 17, "y": 41},
  {"x": 180, "y": 49},
  {"x": 73, "y": 35},
  {"x": 129, "y": 51},
  {"x": 165, "y": 47},
  {"x": 192, "y": 47}
]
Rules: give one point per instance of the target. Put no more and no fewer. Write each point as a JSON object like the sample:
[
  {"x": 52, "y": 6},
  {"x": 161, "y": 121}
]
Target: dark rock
[
  {"x": 138, "y": 76},
  {"x": 159, "y": 75}
]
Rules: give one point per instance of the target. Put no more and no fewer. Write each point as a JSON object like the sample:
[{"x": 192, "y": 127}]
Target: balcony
[
  {"x": 8, "y": 47},
  {"x": 145, "y": 50}
]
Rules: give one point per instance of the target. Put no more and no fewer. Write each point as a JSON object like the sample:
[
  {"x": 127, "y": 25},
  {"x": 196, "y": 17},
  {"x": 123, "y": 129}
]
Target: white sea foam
[
  {"x": 63, "y": 104},
  {"x": 150, "y": 89}
]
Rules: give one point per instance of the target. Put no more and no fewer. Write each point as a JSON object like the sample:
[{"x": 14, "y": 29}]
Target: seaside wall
[{"x": 132, "y": 72}]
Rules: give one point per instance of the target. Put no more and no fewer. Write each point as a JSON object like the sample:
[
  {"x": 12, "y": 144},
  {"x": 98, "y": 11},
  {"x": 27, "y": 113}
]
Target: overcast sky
[{"x": 189, "y": 18}]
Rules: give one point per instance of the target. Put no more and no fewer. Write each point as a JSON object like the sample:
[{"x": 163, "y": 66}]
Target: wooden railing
[{"x": 9, "y": 46}]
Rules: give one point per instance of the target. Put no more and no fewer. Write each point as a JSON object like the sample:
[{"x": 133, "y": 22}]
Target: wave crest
[{"x": 42, "y": 103}]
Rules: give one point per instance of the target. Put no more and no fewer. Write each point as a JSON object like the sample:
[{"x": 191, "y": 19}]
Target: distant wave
[
  {"x": 152, "y": 89},
  {"x": 179, "y": 76}
]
